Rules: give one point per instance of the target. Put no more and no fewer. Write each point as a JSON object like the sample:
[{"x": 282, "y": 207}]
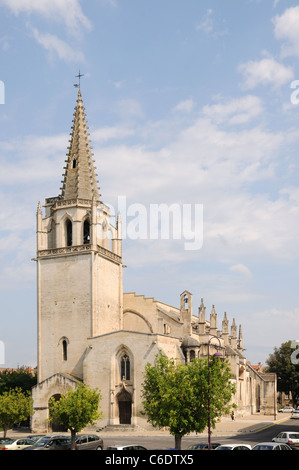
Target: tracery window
[{"x": 125, "y": 367}]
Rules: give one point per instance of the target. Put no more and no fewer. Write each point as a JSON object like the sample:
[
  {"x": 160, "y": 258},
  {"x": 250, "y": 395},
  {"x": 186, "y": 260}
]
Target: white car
[
  {"x": 234, "y": 447},
  {"x": 286, "y": 409},
  {"x": 295, "y": 414},
  {"x": 16, "y": 444},
  {"x": 288, "y": 437},
  {"x": 126, "y": 447}
]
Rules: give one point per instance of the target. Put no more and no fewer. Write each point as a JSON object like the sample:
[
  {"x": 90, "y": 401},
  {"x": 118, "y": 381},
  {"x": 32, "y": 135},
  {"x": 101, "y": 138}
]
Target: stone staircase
[{"x": 119, "y": 428}]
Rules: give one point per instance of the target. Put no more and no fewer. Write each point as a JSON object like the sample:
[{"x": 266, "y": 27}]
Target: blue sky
[{"x": 188, "y": 102}]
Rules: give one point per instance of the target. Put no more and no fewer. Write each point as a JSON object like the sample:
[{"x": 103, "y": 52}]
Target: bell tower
[{"x": 79, "y": 262}]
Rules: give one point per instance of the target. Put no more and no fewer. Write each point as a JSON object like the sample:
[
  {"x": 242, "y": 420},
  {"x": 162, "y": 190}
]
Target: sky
[{"x": 190, "y": 104}]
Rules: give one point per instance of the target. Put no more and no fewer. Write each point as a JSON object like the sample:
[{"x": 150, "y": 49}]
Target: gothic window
[
  {"x": 125, "y": 367},
  {"x": 86, "y": 232},
  {"x": 69, "y": 233},
  {"x": 74, "y": 162}
]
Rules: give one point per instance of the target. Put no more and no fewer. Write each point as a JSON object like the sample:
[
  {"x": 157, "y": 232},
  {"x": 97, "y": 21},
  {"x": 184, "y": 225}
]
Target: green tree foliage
[
  {"x": 76, "y": 409},
  {"x": 183, "y": 397},
  {"x": 287, "y": 372},
  {"x": 21, "y": 378},
  {"x": 15, "y": 406}
]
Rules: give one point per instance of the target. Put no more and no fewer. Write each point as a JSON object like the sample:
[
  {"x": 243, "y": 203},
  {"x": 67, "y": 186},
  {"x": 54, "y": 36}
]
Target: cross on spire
[{"x": 78, "y": 85}]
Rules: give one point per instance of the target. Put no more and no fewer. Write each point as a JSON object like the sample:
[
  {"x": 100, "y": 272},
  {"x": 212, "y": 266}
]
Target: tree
[
  {"x": 76, "y": 409},
  {"x": 15, "y": 406},
  {"x": 180, "y": 397},
  {"x": 286, "y": 370},
  {"x": 21, "y": 378}
]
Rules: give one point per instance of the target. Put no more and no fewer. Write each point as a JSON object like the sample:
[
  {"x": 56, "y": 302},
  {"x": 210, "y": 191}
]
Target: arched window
[
  {"x": 69, "y": 233},
  {"x": 125, "y": 367},
  {"x": 64, "y": 350},
  {"x": 86, "y": 232},
  {"x": 74, "y": 162}
]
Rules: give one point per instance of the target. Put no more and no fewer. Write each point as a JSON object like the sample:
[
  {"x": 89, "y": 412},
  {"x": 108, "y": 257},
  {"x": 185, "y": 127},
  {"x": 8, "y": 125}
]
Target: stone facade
[{"x": 90, "y": 331}]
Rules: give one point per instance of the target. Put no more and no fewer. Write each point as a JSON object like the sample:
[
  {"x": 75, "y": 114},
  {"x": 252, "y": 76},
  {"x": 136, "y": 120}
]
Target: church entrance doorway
[
  {"x": 125, "y": 407},
  {"x": 55, "y": 426}
]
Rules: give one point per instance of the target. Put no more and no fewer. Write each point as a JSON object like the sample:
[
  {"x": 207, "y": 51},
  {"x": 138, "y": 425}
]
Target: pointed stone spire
[
  {"x": 213, "y": 321},
  {"x": 240, "y": 338},
  {"x": 202, "y": 318},
  {"x": 225, "y": 331},
  {"x": 234, "y": 336},
  {"x": 79, "y": 178}
]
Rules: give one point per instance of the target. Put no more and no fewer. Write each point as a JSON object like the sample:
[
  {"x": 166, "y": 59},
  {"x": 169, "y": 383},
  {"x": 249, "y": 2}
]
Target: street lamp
[{"x": 217, "y": 354}]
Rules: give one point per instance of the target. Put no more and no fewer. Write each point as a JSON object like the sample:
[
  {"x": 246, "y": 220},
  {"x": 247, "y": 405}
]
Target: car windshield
[
  {"x": 8, "y": 441},
  {"x": 263, "y": 447},
  {"x": 294, "y": 436},
  {"x": 42, "y": 442}
]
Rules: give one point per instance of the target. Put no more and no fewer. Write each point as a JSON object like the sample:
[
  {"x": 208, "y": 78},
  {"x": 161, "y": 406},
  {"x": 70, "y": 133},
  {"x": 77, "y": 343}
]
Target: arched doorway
[
  {"x": 124, "y": 399},
  {"x": 55, "y": 426}
]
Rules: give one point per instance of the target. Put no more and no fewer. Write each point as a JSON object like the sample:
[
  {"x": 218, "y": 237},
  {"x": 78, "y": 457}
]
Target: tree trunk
[
  {"x": 177, "y": 442},
  {"x": 73, "y": 437}
]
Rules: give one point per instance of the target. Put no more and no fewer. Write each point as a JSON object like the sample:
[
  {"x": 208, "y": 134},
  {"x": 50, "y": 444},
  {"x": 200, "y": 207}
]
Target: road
[{"x": 167, "y": 442}]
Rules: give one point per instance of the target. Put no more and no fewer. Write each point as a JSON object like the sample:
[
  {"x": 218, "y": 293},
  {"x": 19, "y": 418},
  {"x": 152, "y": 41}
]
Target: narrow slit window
[
  {"x": 69, "y": 233},
  {"x": 64, "y": 350},
  {"x": 86, "y": 232},
  {"x": 74, "y": 163}
]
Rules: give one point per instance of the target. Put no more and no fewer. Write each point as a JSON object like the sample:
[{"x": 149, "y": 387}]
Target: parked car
[
  {"x": 16, "y": 444},
  {"x": 203, "y": 446},
  {"x": 234, "y": 447},
  {"x": 295, "y": 414},
  {"x": 286, "y": 409},
  {"x": 35, "y": 437},
  {"x": 271, "y": 446},
  {"x": 289, "y": 437},
  {"x": 4, "y": 439},
  {"x": 126, "y": 447},
  {"x": 89, "y": 442},
  {"x": 52, "y": 443}
]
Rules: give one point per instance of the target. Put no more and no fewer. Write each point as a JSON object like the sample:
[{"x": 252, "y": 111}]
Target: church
[{"x": 89, "y": 331}]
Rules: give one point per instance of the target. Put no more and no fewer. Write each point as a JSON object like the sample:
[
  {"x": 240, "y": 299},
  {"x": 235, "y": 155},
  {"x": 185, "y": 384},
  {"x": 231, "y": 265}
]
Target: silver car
[
  {"x": 88, "y": 442},
  {"x": 271, "y": 446},
  {"x": 288, "y": 437}
]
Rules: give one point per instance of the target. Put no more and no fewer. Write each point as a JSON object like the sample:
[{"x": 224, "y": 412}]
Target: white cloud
[
  {"x": 57, "y": 47},
  {"x": 185, "y": 106},
  {"x": 206, "y": 24},
  {"x": 235, "y": 111},
  {"x": 286, "y": 28},
  {"x": 242, "y": 269},
  {"x": 105, "y": 134},
  {"x": 68, "y": 11},
  {"x": 266, "y": 71},
  {"x": 129, "y": 108}
]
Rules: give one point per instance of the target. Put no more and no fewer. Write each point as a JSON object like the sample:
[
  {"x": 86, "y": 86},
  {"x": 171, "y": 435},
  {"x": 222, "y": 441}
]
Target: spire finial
[{"x": 78, "y": 85}]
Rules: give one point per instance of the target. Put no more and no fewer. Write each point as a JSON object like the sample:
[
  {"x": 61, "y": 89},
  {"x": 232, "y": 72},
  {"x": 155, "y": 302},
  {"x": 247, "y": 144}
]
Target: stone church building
[{"x": 90, "y": 331}]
